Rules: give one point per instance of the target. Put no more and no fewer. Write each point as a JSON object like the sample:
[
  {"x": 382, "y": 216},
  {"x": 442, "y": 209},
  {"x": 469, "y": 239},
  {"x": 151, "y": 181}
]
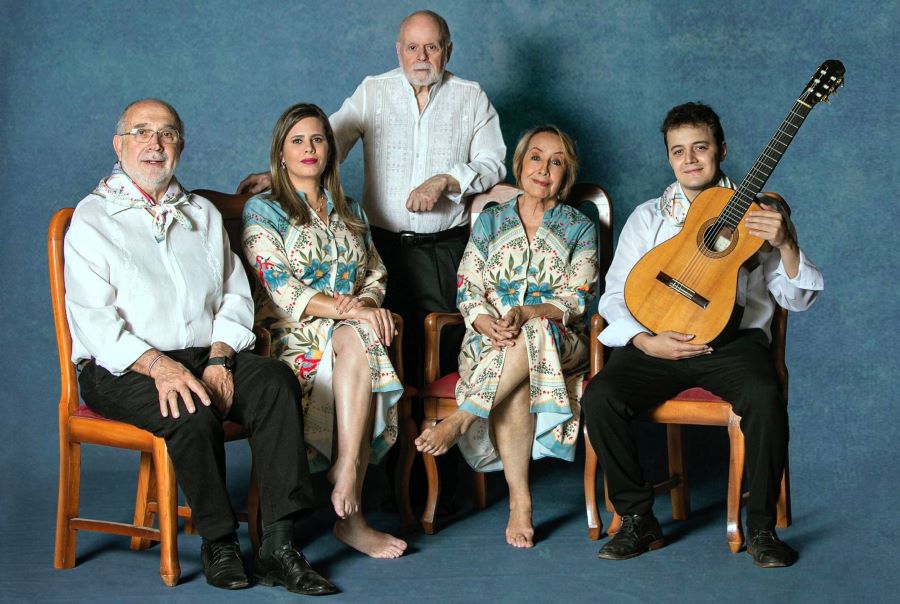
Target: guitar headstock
[{"x": 825, "y": 82}]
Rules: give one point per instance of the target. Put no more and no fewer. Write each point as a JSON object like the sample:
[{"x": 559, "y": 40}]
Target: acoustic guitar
[{"x": 688, "y": 284}]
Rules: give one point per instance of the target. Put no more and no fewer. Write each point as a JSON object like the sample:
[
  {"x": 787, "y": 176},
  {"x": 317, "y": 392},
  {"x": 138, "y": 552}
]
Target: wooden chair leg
[
  {"x": 145, "y": 491},
  {"x": 784, "y": 499},
  {"x": 594, "y": 522},
  {"x": 404, "y": 466},
  {"x": 67, "y": 504},
  {"x": 734, "y": 531},
  {"x": 167, "y": 502},
  {"x": 606, "y": 500},
  {"x": 681, "y": 499},
  {"x": 254, "y": 520},
  {"x": 479, "y": 490},
  {"x": 434, "y": 486},
  {"x": 616, "y": 523}
]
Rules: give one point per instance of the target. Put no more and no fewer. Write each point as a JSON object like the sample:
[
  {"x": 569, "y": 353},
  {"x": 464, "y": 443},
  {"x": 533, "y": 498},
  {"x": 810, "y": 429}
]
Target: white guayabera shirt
[
  {"x": 458, "y": 134},
  {"x": 127, "y": 291}
]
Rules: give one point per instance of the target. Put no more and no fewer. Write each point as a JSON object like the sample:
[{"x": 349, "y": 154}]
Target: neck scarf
[
  {"x": 119, "y": 189},
  {"x": 673, "y": 205}
]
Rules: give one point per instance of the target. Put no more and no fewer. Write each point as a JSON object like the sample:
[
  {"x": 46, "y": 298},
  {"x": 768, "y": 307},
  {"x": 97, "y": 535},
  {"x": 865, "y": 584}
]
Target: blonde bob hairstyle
[
  {"x": 283, "y": 190},
  {"x": 569, "y": 155}
]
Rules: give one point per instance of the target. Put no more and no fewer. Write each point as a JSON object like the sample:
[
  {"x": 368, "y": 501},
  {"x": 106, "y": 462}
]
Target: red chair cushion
[
  {"x": 410, "y": 391},
  {"x": 85, "y": 411},
  {"x": 696, "y": 394},
  {"x": 444, "y": 387}
]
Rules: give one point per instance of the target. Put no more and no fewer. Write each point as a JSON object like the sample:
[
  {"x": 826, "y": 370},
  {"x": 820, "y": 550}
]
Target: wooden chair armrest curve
[
  {"x": 434, "y": 324},
  {"x": 596, "y": 348}
]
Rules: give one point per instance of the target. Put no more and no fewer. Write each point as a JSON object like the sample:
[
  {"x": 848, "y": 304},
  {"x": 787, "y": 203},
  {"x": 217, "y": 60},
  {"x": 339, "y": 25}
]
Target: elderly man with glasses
[{"x": 161, "y": 316}]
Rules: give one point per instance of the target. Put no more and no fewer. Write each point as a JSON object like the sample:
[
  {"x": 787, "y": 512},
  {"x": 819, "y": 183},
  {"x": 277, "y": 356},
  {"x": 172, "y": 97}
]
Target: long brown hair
[{"x": 283, "y": 190}]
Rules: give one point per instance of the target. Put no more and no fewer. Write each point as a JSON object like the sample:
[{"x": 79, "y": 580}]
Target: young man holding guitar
[{"x": 645, "y": 369}]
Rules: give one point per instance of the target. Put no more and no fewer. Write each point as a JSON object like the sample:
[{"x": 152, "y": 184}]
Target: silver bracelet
[{"x": 152, "y": 363}]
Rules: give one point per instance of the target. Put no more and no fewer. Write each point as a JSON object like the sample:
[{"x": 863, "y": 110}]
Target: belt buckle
[{"x": 407, "y": 238}]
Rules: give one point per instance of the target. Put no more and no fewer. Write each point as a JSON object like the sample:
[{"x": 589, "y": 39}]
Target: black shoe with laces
[
  {"x": 768, "y": 551},
  {"x": 222, "y": 564},
  {"x": 289, "y": 567},
  {"x": 639, "y": 534}
]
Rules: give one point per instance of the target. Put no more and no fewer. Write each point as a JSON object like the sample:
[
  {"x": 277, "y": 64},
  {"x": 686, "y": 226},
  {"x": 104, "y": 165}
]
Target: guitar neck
[{"x": 765, "y": 164}]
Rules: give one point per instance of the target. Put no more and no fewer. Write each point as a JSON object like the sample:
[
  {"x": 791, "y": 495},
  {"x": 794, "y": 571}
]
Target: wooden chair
[
  {"x": 156, "y": 487},
  {"x": 231, "y": 206},
  {"x": 439, "y": 396},
  {"x": 694, "y": 406}
]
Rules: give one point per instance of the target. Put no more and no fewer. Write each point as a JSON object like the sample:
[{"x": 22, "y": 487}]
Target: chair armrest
[
  {"x": 596, "y": 348},
  {"x": 434, "y": 324},
  {"x": 395, "y": 350},
  {"x": 263, "y": 346}
]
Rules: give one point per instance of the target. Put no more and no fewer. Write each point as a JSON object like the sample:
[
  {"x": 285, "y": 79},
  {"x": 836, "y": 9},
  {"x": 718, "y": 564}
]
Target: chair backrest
[
  {"x": 56, "y": 233},
  {"x": 498, "y": 194},
  {"x": 594, "y": 202},
  {"x": 231, "y": 207}
]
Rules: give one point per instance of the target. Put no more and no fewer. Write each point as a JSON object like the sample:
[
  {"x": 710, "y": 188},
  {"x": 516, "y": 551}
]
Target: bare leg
[
  {"x": 438, "y": 440},
  {"x": 354, "y": 413},
  {"x": 512, "y": 430}
]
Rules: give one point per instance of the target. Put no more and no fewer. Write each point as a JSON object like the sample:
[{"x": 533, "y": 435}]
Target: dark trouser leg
[
  {"x": 195, "y": 440},
  {"x": 267, "y": 403},
  {"x": 629, "y": 384},
  {"x": 421, "y": 280},
  {"x": 742, "y": 373}
]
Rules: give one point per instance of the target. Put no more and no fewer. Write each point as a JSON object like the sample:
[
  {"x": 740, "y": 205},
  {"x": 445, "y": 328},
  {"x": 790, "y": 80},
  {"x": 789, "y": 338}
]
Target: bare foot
[
  {"x": 519, "y": 531},
  {"x": 355, "y": 532},
  {"x": 438, "y": 440},
  {"x": 344, "y": 497}
]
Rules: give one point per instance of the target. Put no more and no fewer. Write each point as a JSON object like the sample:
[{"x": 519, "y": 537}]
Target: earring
[{"x": 282, "y": 163}]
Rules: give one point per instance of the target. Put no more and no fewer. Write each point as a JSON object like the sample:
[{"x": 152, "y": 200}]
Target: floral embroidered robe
[
  {"x": 295, "y": 262},
  {"x": 500, "y": 269}
]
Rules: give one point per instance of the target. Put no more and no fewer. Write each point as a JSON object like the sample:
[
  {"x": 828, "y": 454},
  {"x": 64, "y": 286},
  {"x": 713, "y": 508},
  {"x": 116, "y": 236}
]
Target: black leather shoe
[
  {"x": 288, "y": 566},
  {"x": 222, "y": 564},
  {"x": 638, "y": 534},
  {"x": 768, "y": 551}
]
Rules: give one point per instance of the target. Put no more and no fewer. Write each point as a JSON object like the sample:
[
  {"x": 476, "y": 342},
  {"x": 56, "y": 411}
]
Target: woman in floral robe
[
  {"x": 524, "y": 282},
  {"x": 322, "y": 285}
]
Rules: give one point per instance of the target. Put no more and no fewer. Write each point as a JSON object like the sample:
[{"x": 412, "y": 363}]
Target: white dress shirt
[
  {"x": 127, "y": 293},
  {"x": 758, "y": 290},
  {"x": 458, "y": 133}
]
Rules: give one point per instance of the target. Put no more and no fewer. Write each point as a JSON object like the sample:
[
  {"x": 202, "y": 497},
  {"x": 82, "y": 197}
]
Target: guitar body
[{"x": 688, "y": 284}]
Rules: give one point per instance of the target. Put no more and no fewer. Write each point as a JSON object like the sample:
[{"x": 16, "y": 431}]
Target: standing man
[
  {"x": 161, "y": 317},
  {"x": 431, "y": 139},
  {"x": 646, "y": 369}
]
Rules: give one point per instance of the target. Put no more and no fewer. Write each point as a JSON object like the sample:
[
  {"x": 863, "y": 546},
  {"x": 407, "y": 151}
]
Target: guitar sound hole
[{"x": 716, "y": 241}]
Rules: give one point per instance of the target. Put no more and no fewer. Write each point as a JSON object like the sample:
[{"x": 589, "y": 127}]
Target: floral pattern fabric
[
  {"x": 295, "y": 262},
  {"x": 501, "y": 269}
]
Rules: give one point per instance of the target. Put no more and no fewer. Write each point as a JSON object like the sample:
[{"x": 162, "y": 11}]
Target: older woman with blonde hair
[
  {"x": 524, "y": 282},
  {"x": 322, "y": 287}
]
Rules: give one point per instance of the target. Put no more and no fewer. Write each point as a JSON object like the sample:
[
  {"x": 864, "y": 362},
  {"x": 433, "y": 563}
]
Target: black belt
[{"x": 411, "y": 239}]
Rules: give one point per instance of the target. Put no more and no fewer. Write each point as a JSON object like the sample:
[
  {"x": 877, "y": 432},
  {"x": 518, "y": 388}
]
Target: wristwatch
[{"x": 226, "y": 362}]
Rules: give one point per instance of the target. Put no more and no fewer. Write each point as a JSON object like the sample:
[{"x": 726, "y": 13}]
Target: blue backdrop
[{"x": 605, "y": 71}]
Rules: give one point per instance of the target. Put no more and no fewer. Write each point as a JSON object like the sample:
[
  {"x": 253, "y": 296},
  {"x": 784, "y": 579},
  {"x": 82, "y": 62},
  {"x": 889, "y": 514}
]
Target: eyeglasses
[{"x": 168, "y": 136}]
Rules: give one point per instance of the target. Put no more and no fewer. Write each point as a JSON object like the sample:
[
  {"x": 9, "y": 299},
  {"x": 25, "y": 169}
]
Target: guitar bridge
[{"x": 682, "y": 289}]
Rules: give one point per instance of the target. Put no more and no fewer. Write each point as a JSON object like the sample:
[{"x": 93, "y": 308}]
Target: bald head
[{"x": 428, "y": 19}]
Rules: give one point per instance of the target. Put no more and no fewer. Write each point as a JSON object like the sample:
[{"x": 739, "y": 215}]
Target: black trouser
[
  {"x": 421, "y": 280},
  {"x": 740, "y": 372},
  {"x": 266, "y": 403}
]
